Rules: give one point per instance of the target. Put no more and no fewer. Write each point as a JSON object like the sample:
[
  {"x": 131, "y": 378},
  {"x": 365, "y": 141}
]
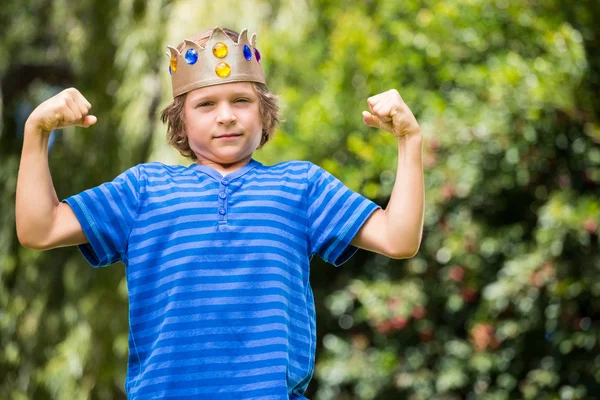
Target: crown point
[
  {"x": 218, "y": 34},
  {"x": 253, "y": 40},
  {"x": 243, "y": 37},
  {"x": 189, "y": 43},
  {"x": 174, "y": 52}
]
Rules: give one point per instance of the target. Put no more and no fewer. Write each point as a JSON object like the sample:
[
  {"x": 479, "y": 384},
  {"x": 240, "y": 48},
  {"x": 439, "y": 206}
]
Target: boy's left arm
[{"x": 396, "y": 231}]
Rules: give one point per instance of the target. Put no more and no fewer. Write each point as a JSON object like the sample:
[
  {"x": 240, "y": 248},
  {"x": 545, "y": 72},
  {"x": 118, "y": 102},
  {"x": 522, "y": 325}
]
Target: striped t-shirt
[{"x": 220, "y": 304}]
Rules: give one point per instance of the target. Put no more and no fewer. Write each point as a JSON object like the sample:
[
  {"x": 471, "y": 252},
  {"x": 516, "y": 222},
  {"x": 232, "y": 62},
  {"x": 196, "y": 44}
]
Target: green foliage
[
  {"x": 501, "y": 300},
  {"x": 63, "y": 325}
]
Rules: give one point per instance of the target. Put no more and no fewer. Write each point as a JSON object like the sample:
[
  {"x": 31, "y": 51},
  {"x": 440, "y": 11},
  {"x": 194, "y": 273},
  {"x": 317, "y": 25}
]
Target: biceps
[
  {"x": 373, "y": 235},
  {"x": 66, "y": 229}
]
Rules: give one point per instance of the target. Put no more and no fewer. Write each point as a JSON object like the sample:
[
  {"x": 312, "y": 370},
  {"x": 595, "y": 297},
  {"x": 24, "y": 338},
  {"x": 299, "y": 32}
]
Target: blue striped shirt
[{"x": 220, "y": 304}]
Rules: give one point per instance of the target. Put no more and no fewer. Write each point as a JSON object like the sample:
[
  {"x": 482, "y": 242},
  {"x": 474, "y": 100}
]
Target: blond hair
[{"x": 174, "y": 114}]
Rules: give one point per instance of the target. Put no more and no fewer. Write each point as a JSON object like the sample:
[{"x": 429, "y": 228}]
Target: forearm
[
  {"x": 36, "y": 200},
  {"x": 404, "y": 213}
]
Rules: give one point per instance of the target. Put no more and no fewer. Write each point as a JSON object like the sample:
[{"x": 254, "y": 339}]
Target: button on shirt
[{"x": 220, "y": 301}]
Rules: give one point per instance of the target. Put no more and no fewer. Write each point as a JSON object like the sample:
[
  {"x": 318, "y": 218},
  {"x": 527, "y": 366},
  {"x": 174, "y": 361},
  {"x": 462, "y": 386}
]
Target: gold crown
[{"x": 220, "y": 61}]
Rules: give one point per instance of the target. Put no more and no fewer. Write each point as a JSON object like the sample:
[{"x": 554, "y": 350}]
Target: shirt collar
[{"x": 216, "y": 175}]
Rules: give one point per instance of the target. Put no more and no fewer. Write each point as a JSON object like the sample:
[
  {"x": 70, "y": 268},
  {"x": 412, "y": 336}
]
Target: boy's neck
[{"x": 225, "y": 169}]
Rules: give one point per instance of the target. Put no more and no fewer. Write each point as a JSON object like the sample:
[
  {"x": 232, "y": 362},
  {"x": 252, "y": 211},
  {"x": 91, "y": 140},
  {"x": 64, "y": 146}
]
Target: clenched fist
[
  {"x": 389, "y": 112},
  {"x": 68, "y": 108}
]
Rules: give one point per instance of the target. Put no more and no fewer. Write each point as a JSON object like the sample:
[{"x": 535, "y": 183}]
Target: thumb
[
  {"x": 370, "y": 120},
  {"x": 87, "y": 121}
]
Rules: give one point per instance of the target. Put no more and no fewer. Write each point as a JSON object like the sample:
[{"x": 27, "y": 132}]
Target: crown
[{"x": 221, "y": 60}]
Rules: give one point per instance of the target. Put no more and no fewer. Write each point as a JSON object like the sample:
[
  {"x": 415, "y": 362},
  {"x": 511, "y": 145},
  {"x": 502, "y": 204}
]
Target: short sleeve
[
  {"x": 106, "y": 214},
  {"x": 335, "y": 215}
]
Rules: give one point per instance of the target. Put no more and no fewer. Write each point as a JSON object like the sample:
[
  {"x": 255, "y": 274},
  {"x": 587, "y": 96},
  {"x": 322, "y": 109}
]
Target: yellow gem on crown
[
  {"x": 173, "y": 64},
  {"x": 223, "y": 69},
  {"x": 220, "y": 50}
]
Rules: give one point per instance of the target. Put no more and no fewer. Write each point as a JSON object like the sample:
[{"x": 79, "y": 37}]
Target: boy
[{"x": 217, "y": 254}]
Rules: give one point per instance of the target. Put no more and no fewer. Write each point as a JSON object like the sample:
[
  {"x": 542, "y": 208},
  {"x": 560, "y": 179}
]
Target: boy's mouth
[{"x": 228, "y": 136}]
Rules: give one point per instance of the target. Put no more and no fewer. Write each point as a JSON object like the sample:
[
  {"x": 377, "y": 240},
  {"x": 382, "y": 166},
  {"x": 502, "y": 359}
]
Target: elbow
[
  {"x": 403, "y": 252},
  {"x": 29, "y": 241},
  {"x": 407, "y": 248},
  {"x": 31, "y": 235},
  {"x": 403, "y": 255},
  {"x": 26, "y": 242}
]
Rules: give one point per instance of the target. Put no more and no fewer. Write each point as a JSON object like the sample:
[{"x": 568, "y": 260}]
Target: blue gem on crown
[
  {"x": 247, "y": 52},
  {"x": 191, "y": 56}
]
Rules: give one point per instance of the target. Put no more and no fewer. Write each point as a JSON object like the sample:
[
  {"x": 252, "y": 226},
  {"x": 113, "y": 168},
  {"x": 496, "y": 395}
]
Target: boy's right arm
[{"x": 43, "y": 222}]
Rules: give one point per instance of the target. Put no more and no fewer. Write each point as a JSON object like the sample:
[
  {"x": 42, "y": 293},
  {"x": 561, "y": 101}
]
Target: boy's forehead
[{"x": 224, "y": 89}]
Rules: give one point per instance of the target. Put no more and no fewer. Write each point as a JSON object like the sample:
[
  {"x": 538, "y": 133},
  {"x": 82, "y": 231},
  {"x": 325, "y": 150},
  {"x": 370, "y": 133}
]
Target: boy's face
[{"x": 223, "y": 123}]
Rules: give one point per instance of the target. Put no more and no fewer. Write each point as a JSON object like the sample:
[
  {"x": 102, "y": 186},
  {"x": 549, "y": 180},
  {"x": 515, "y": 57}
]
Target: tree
[
  {"x": 501, "y": 299},
  {"x": 64, "y": 325}
]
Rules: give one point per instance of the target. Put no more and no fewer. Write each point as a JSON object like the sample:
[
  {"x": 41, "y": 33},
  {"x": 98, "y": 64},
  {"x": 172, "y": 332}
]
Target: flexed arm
[
  {"x": 42, "y": 221},
  {"x": 397, "y": 230}
]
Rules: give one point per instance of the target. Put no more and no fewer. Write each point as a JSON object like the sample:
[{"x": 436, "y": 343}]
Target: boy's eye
[
  {"x": 205, "y": 104},
  {"x": 242, "y": 100}
]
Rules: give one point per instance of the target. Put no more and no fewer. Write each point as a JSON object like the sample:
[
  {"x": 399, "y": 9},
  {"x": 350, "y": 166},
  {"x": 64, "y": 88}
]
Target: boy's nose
[{"x": 225, "y": 115}]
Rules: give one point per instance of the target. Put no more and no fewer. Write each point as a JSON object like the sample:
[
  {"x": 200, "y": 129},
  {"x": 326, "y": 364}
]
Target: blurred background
[{"x": 502, "y": 300}]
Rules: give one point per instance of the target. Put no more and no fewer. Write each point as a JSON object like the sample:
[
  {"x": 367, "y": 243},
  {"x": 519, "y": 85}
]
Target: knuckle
[{"x": 71, "y": 92}]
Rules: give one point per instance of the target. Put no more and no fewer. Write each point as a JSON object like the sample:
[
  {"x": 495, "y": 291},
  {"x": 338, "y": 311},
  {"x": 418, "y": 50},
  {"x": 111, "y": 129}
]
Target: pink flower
[
  {"x": 434, "y": 144},
  {"x": 398, "y": 322},
  {"x": 590, "y": 225},
  {"x": 447, "y": 190},
  {"x": 483, "y": 337},
  {"x": 543, "y": 275},
  {"x": 456, "y": 273},
  {"x": 383, "y": 326},
  {"x": 419, "y": 312}
]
